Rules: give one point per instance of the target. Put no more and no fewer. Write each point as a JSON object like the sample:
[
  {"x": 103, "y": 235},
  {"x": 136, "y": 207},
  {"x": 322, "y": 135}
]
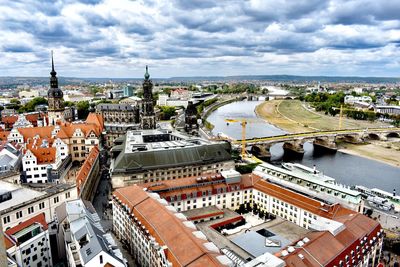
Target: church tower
[
  {"x": 55, "y": 98},
  {"x": 147, "y": 115}
]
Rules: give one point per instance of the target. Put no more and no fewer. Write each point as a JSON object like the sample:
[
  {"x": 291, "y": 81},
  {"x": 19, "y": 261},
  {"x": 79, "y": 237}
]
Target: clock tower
[
  {"x": 55, "y": 98},
  {"x": 147, "y": 115}
]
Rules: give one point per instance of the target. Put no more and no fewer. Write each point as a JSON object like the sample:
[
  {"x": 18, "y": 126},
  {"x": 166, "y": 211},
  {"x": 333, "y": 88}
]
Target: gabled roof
[
  {"x": 94, "y": 123},
  {"x": 67, "y": 130},
  {"x": 96, "y": 119},
  {"x": 31, "y": 132},
  {"x": 183, "y": 248},
  {"x": 40, "y": 219},
  {"x": 44, "y": 155},
  {"x": 84, "y": 221},
  {"x": 11, "y": 119},
  {"x": 84, "y": 171}
]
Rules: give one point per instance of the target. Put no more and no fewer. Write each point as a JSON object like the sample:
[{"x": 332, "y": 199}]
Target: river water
[{"x": 345, "y": 168}]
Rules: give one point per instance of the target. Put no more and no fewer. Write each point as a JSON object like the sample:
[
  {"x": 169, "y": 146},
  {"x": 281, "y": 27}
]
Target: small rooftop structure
[
  {"x": 265, "y": 260},
  {"x": 257, "y": 243},
  {"x": 87, "y": 231}
]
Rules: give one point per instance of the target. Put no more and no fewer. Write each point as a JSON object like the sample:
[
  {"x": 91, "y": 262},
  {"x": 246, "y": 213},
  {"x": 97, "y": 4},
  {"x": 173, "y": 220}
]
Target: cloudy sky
[{"x": 117, "y": 38}]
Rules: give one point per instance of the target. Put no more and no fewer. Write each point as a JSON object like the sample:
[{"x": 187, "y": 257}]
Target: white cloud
[{"x": 116, "y": 38}]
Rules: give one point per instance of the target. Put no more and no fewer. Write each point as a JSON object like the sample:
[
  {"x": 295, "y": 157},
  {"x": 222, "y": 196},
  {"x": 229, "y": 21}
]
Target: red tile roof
[
  {"x": 4, "y": 135},
  {"x": 44, "y": 155},
  {"x": 84, "y": 171},
  {"x": 327, "y": 249},
  {"x": 40, "y": 218},
  {"x": 323, "y": 249},
  {"x": 180, "y": 186},
  {"x": 96, "y": 119},
  {"x": 299, "y": 200},
  {"x": 11, "y": 119},
  {"x": 31, "y": 132},
  {"x": 183, "y": 248},
  {"x": 94, "y": 123},
  {"x": 67, "y": 129}
]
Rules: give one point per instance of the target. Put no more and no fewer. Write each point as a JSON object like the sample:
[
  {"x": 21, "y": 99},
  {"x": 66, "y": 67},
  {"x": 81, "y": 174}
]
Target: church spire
[{"x": 53, "y": 73}]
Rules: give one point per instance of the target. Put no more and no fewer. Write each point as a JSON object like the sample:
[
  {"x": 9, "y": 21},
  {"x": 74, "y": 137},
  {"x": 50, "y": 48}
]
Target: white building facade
[
  {"x": 39, "y": 161},
  {"x": 31, "y": 246},
  {"x": 26, "y": 203}
]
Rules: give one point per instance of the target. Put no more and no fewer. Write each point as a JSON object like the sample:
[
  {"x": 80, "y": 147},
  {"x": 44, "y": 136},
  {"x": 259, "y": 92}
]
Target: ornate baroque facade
[
  {"x": 147, "y": 115},
  {"x": 55, "y": 98}
]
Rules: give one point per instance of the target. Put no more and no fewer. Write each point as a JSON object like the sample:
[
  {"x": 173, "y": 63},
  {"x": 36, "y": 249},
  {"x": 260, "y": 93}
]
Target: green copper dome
[{"x": 147, "y": 75}]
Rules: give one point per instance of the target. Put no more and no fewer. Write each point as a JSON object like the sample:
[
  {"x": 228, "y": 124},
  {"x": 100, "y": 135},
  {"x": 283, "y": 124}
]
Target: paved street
[{"x": 103, "y": 207}]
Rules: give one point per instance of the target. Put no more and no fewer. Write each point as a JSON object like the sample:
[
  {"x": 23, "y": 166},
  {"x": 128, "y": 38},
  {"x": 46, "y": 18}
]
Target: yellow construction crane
[
  {"x": 340, "y": 117},
  {"x": 243, "y": 122},
  {"x": 341, "y": 114}
]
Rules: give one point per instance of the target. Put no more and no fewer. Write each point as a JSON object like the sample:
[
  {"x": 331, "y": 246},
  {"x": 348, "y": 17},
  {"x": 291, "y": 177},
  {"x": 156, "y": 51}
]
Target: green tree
[
  {"x": 83, "y": 109},
  {"x": 69, "y": 104},
  {"x": 30, "y": 106},
  {"x": 248, "y": 168},
  {"x": 94, "y": 90},
  {"x": 167, "y": 112},
  {"x": 15, "y": 101}
]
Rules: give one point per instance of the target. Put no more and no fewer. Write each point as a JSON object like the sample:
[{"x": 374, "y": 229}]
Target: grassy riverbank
[{"x": 293, "y": 117}]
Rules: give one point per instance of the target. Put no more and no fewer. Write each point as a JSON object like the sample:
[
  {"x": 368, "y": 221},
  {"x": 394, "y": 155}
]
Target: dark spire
[
  {"x": 53, "y": 72},
  {"x": 147, "y": 75}
]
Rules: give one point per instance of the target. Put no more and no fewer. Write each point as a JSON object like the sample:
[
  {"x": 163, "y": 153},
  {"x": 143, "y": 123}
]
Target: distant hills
[
  {"x": 15, "y": 81},
  {"x": 293, "y": 78}
]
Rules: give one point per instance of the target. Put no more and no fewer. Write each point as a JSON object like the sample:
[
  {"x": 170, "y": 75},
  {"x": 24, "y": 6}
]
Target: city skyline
[{"x": 117, "y": 39}]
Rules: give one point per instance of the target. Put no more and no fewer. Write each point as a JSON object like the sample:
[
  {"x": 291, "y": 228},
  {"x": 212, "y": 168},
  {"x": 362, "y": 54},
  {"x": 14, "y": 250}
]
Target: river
[{"x": 345, "y": 168}]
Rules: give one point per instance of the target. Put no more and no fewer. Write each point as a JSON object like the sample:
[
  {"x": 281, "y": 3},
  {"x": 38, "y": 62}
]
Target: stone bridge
[
  {"x": 321, "y": 139},
  {"x": 270, "y": 96}
]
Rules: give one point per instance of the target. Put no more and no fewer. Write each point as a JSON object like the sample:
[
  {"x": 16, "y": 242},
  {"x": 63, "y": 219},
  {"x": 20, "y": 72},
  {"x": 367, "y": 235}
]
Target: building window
[
  {"x": 19, "y": 214},
  {"x": 67, "y": 195},
  {"x": 56, "y": 199},
  {"x": 101, "y": 259},
  {"x": 41, "y": 205},
  {"x": 30, "y": 210},
  {"x": 6, "y": 219}
]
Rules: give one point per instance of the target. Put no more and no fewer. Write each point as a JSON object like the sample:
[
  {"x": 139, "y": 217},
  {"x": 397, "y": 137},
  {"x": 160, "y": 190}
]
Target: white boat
[{"x": 296, "y": 167}]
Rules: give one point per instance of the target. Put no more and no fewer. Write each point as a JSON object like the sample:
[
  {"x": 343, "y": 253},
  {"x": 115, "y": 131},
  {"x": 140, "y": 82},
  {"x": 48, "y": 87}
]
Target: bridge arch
[
  {"x": 261, "y": 151},
  {"x": 393, "y": 134},
  {"x": 373, "y": 136},
  {"x": 351, "y": 138}
]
